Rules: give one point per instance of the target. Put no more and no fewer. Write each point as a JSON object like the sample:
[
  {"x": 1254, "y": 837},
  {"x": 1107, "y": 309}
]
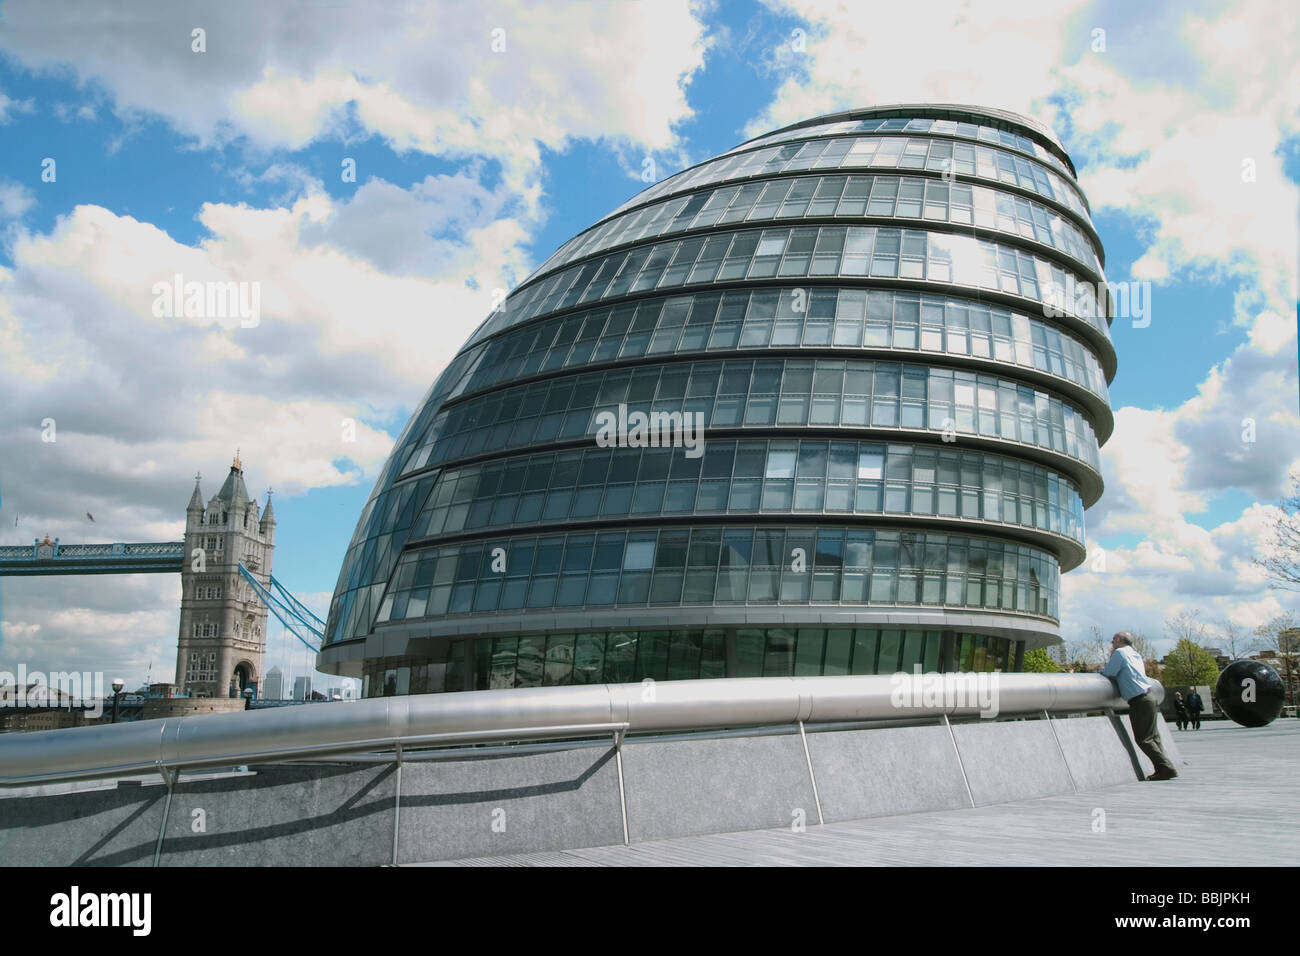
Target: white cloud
[
  {"x": 399, "y": 231},
  {"x": 67, "y": 112},
  {"x": 1187, "y": 185},
  {"x": 1163, "y": 468},
  {"x": 15, "y": 199},
  {"x": 1005, "y": 55},
  {"x": 118, "y": 624},
  {"x": 355, "y": 323},
  {"x": 423, "y": 76},
  {"x": 8, "y": 107}
]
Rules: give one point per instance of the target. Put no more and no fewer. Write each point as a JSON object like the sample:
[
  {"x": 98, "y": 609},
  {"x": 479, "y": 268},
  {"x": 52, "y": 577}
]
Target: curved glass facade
[
  {"x": 788, "y": 319},
  {"x": 720, "y": 565},
  {"x": 846, "y": 197},
  {"x": 764, "y": 394},
  {"x": 939, "y": 259},
  {"x": 767, "y": 418},
  {"x": 880, "y": 152},
  {"x": 1008, "y": 139},
  {"x": 739, "y": 477}
]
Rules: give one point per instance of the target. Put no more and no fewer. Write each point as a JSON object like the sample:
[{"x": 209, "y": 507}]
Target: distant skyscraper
[
  {"x": 273, "y": 686},
  {"x": 222, "y": 642},
  {"x": 301, "y": 688},
  {"x": 892, "y": 324}
]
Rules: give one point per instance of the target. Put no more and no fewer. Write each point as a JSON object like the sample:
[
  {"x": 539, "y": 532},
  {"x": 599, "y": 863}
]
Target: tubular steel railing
[{"x": 393, "y": 723}]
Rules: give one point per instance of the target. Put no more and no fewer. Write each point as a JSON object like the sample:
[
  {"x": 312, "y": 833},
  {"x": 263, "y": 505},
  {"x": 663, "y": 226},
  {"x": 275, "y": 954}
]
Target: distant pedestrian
[
  {"x": 1180, "y": 710},
  {"x": 1126, "y": 671},
  {"x": 1194, "y": 708}
]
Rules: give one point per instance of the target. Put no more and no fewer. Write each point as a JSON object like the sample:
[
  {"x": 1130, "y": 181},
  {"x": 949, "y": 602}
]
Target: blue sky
[{"x": 473, "y": 165}]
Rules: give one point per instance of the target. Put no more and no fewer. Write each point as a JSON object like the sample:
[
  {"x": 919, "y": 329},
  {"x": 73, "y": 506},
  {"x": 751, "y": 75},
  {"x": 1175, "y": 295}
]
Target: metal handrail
[{"x": 176, "y": 743}]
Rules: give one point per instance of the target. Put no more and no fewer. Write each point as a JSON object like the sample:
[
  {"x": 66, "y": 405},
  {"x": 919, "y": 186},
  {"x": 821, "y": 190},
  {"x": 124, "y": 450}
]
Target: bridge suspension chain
[{"x": 289, "y": 611}]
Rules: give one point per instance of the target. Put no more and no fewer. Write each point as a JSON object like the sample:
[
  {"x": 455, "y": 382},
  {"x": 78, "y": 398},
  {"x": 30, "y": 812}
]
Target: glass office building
[{"x": 891, "y": 325}]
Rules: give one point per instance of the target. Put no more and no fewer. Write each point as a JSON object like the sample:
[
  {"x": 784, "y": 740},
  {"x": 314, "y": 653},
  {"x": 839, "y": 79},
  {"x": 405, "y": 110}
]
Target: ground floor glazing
[{"x": 618, "y": 657}]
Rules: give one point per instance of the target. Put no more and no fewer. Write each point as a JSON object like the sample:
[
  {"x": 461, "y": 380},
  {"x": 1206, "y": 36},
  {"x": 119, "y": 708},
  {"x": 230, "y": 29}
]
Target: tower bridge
[{"x": 224, "y": 562}]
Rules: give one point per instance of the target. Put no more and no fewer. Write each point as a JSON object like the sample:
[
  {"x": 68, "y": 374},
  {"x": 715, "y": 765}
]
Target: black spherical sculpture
[{"x": 1250, "y": 692}]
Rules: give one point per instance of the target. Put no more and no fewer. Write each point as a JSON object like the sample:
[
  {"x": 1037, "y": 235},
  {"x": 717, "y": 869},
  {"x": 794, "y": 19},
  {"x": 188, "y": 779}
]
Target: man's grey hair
[{"x": 1125, "y": 638}]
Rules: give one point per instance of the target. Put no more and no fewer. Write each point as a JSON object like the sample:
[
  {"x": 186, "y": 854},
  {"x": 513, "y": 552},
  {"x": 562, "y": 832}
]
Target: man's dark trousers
[{"x": 1142, "y": 712}]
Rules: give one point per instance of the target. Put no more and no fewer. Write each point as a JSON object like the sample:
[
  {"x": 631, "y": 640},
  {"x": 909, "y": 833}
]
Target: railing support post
[
  {"x": 622, "y": 794},
  {"x": 1057, "y": 738},
  {"x": 960, "y": 765},
  {"x": 397, "y": 803},
  {"x": 812, "y": 777},
  {"x": 169, "y": 777}
]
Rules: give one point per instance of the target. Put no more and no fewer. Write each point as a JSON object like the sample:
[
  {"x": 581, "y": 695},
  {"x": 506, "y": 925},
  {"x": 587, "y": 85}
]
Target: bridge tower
[{"x": 222, "y": 644}]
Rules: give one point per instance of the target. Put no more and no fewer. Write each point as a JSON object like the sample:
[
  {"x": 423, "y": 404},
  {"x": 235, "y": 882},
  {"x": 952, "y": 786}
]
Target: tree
[
  {"x": 1232, "y": 637},
  {"x": 1189, "y": 663},
  {"x": 1091, "y": 652},
  {"x": 1186, "y": 625},
  {"x": 1087, "y": 654},
  {"x": 1281, "y": 559},
  {"x": 1154, "y": 668},
  {"x": 1281, "y": 636},
  {"x": 1038, "y": 661},
  {"x": 1079, "y": 662}
]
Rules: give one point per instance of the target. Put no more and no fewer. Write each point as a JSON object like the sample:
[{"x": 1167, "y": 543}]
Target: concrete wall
[
  {"x": 876, "y": 773},
  {"x": 1096, "y": 753},
  {"x": 1012, "y": 760},
  {"x": 512, "y": 802},
  {"x": 487, "y": 806},
  {"x": 109, "y": 826},
  {"x": 686, "y": 787},
  {"x": 326, "y": 815}
]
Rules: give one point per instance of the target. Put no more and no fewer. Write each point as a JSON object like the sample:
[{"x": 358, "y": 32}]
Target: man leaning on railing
[{"x": 1126, "y": 671}]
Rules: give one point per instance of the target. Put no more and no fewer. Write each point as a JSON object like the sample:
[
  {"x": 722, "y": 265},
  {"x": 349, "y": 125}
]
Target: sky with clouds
[{"x": 485, "y": 135}]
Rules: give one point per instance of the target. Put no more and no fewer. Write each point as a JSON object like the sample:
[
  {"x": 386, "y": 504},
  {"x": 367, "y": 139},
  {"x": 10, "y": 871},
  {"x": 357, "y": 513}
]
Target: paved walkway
[{"x": 1233, "y": 804}]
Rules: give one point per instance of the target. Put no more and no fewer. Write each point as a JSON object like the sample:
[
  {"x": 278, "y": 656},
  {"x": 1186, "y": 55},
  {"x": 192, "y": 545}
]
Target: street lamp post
[
  {"x": 118, "y": 684},
  {"x": 248, "y": 698}
]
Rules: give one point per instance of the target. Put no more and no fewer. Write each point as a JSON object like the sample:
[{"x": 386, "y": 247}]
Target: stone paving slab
[{"x": 1232, "y": 805}]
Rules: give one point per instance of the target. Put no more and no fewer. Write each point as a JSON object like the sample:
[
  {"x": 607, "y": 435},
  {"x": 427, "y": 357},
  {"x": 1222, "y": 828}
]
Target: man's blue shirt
[{"x": 1125, "y": 666}]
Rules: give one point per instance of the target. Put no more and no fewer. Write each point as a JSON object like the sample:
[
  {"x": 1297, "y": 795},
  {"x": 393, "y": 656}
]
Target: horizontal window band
[
  {"x": 891, "y": 219},
  {"x": 1100, "y": 347}
]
